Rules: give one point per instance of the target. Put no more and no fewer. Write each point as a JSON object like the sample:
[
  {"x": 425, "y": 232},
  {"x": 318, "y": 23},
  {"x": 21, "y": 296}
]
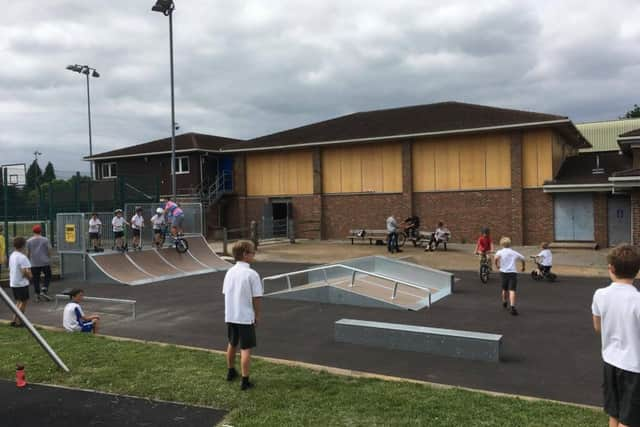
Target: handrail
[{"x": 354, "y": 270}]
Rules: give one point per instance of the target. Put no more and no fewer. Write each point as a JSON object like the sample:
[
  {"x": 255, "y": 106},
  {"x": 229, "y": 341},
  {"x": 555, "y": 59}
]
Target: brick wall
[
  {"x": 517, "y": 226},
  {"x": 466, "y": 212},
  {"x": 600, "y": 219},
  {"x": 635, "y": 216},
  {"x": 537, "y": 211}
]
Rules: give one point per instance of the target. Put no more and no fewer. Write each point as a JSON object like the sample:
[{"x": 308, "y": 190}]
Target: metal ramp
[{"x": 373, "y": 281}]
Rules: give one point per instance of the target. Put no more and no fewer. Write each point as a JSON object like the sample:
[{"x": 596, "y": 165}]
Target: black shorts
[
  {"x": 118, "y": 234},
  {"x": 245, "y": 335},
  {"x": 94, "y": 236},
  {"x": 509, "y": 281},
  {"x": 622, "y": 395},
  {"x": 21, "y": 294},
  {"x": 157, "y": 231},
  {"x": 136, "y": 232}
]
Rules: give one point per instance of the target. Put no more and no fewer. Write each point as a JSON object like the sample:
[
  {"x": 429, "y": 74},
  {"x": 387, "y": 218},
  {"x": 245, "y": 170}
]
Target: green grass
[{"x": 284, "y": 396}]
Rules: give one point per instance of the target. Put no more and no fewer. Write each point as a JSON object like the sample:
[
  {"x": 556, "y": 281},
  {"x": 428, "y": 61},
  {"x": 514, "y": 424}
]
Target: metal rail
[
  {"x": 100, "y": 299},
  {"x": 354, "y": 272}
]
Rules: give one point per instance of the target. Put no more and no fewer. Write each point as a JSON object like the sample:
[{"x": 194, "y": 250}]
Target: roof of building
[
  {"x": 580, "y": 169},
  {"x": 185, "y": 142},
  {"x": 603, "y": 135},
  {"x": 631, "y": 134},
  {"x": 421, "y": 120}
]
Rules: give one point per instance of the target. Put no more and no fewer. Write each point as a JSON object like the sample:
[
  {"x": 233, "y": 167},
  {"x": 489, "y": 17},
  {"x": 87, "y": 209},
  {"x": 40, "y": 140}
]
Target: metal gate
[
  {"x": 573, "y": 217},
  {"x": 619, "y": 220}
]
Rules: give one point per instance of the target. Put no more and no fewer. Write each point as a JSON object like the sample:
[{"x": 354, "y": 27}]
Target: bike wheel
[
  {"x": 182, "y": 246},
  {"x": 551, "y": 277},
  {"x": 536, "y": 276},
  {"x": 484, "y": 273},
  {"x": 402, "y": 239}
]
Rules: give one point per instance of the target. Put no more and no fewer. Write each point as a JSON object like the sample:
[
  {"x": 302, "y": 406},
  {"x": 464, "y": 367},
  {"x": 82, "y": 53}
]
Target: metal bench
[
  {"x": 370, "y": 235},
  {"x": 441, "y": 342},
  {"x": 65, "y": 295}
]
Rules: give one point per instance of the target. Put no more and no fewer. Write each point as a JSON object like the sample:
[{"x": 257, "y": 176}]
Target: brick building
[{"x": 518, "y": 172}]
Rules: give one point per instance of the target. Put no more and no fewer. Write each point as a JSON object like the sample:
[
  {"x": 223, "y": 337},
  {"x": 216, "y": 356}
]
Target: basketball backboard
[{"x": 16, "y": 174}]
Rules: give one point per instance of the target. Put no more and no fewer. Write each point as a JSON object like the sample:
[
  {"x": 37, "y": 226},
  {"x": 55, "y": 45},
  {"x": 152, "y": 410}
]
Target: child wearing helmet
[
  {"x": 158, "y": 223},
  {"x": 118, "y": 223},
  {"x": 137, "y": 224},
  {"x": 175, "y": 216}
]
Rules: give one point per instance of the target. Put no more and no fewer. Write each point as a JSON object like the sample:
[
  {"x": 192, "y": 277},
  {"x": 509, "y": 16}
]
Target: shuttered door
[
  {"x": 619, "y": 219},
  {"x": 573, "y": 217}
]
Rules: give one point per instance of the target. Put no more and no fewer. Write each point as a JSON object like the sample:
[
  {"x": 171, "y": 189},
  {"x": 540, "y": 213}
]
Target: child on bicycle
[
  {"x": 175, "y": 217},
  {"x": 545, "y": 259},
  {"x": 118, "y": 223},
  {"x": 137, "y": 224},
  {"x": 158, "y": 223},
  {"x": 484, "y": 246}
]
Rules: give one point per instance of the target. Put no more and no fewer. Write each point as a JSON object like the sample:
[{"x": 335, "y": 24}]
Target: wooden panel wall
[
  {"x": 279, "y": 174},
  {"x": 462, "y": 163},
  {"x": 537, "y": 157},
  {"x": 362, "y": 168}
]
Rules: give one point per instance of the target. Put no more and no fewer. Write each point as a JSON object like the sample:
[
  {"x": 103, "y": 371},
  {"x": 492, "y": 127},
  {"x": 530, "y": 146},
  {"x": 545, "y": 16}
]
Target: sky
[{"x": 247, "y": 68}]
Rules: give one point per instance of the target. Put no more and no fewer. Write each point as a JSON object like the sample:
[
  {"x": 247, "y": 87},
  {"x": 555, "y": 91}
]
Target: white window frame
[
  {"x": 111, "y": 167},
  {"x": 179, "y": 170}
]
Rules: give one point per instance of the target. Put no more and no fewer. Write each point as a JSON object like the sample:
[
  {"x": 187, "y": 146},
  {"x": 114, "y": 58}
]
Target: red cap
[{"x": 37, "y": 229}]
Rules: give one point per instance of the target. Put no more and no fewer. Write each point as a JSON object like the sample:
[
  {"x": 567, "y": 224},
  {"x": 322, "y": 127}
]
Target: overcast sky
[{"x": 248, "y": 68}]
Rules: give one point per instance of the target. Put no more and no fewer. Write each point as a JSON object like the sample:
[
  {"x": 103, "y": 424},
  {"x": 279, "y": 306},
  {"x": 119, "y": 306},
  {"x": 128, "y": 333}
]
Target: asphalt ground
[
  {"x": 549, "y": 351},
  {"x": 38, "y": 405}
]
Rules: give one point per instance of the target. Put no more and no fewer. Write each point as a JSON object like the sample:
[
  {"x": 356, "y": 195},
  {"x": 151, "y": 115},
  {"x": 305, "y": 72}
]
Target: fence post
[
  {"x": 5, "y": 193},
  {"x": 90, "y": 195},
  {"x": 253, "y": 233},
  {"x": 76, "y": 191},
  {"x": 291, "y": 234},
  {"x": 225, "y": 241},
  {"x": 51, "y": 222}
]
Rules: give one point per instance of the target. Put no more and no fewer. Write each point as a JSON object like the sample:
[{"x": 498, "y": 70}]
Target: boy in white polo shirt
[
  {"x": 242, "y": 291},
  {"x": 19, "y": 275},
  {"x": 505, "y": 260},
  {"x": 616, "y": 316}
]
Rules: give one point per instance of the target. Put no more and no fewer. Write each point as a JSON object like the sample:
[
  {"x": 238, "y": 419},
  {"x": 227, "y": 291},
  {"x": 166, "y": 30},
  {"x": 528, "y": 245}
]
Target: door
[
  {"x": 619, "y": 220},
  {"x": 573, "y": 217}
]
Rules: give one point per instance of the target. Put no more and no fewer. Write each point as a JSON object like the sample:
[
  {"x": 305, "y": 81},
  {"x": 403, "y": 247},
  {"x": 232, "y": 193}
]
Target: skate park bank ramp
[
  {"x": 373, "y": 281},
  {"x": 143, "y": 267}
]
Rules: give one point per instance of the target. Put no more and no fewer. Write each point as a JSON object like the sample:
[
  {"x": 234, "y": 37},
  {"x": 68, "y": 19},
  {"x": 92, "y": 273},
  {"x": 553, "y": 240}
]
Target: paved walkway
[{"x": 550, "y": 350}]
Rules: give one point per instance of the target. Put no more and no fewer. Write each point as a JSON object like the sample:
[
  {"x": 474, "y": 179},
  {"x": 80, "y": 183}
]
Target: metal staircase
[{"x": 222, "y": 185}]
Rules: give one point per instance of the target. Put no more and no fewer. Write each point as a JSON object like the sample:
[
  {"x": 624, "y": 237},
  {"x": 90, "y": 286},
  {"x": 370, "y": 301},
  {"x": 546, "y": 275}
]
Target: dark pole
[
  {"x": 5, "y": 193},
  {"x": 173, "y": 111},
  {"x": 90, "y": 142}
]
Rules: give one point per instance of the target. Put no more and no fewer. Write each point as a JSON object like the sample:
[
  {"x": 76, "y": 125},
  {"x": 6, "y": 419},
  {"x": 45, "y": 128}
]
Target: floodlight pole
[
  {"x": 90, "y": 141},
  {"x": 173, "y": 110},
  {"x": 5, "y": 194}
]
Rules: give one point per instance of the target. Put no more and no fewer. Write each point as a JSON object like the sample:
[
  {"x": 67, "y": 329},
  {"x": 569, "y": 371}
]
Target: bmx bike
[
  {"x": 541, "y": 272},
  {"x": 485, "y": 267}
]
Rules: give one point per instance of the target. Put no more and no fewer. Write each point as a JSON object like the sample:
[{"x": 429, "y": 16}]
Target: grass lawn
[{"x": 284, "y": 396}]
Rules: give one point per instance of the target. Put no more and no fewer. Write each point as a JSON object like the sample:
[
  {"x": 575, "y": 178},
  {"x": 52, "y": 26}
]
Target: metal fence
[
  {"x": 193, "y": 218},
  {"x": 70, "y": 228},
  {"x": 25, "y": 228}
]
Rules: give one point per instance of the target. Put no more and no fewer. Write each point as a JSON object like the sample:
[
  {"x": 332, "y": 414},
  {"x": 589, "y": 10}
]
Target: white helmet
[{"x": 159, "y": 211}]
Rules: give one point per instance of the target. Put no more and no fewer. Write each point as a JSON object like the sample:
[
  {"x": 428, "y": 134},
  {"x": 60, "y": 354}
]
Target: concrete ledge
[
  {"x": 441, "y": 342},
  {"x": 574, "y": 245}
]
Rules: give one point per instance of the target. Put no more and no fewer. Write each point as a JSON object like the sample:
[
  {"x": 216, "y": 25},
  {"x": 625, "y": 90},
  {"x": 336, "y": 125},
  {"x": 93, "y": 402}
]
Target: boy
[
  {"x": 484, "y": 246},
  {"x": 441, "y": 235},
  {"x": 545, "y": 258},
  {"x": 38, "y": 252},
  {"x": 158, "y": 223},
  {"x": 616, "y": 317},
  {"x": 73, "y": 318},
  {"x": 175, "y": 217},
  {"x": 392, "y": 235},
  {"x": 137, "y": 224},
  {"x": 95, "y": 231},
  {"x": 19, "y": 275},
  {"x": 505, "y": 261},
  {"x": 118, "y": 223},
  {"x": 242, "y": 291}
]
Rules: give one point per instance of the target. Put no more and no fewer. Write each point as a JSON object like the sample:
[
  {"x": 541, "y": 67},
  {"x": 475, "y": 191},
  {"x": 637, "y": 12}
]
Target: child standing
[
  {"x": 137, "y": 224},
  {"x": 545, "y": 258},
  {"x": 506, "y": 259},
  {"x": 118, "y": 223},
  {"x": 73, "y": 318},
  {"x": 616, "y": 316},
  {"x": 158, "y": 223},
  {"x": 19, "y": 275},
  {"x": 95, "y": 230}
]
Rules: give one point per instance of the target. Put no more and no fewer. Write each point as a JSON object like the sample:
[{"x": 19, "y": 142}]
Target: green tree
[
  {"x": 49, "y": 173},
  {"x": 34, "y": 175},
  {"x": 633, "y": 113}
]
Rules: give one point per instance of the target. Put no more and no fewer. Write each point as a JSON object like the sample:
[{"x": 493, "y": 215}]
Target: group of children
[{"x": 169, "y": 214}]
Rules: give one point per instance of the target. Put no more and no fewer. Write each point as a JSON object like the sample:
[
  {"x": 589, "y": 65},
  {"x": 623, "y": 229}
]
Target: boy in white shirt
[
  {"x": 137, "y": 224},
  {"x": 242, "y": 291},
  {"x": 505, "y": 260},
  {"x": 616, "y": 317},
  {"x": 19, "y": 275},
  {"x": 158, "y": 222},
  {"x": 545, "y": 258},
  {"x": 73, "y": 318},
  {"x": 95, "y": 230},
  {"x": 118, "y": 223}
]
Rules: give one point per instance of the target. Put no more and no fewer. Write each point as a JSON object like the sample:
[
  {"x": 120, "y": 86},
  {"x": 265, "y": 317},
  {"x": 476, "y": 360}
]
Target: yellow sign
[{"x": 70, "y": 233}]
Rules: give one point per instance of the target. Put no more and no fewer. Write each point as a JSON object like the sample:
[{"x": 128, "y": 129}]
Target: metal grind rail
[
  {"x": 130, "y": 302},
  {"x": 354, "y": 272}
]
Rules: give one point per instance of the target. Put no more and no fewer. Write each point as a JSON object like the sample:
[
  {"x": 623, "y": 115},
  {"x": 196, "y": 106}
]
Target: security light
[{"x": 163, "y": 6}]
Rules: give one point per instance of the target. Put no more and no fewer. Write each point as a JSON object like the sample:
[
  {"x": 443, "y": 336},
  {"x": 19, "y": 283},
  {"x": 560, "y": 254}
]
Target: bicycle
[
  {"x": 180, "y": 243},
  {"x": 485, "y": 267},
  {"x": 541, "y": 273}
]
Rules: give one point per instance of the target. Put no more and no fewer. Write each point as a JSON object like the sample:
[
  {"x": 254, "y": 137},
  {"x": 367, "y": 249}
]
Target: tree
[
  {"x": 633, "y": 113},
  {"x": 34, "y": 174},
  {"x": 49, "y": 173}
]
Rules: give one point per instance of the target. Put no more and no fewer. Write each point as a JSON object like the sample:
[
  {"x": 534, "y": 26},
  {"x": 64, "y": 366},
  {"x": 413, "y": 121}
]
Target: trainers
[
  {"x": 232, "y": 374},
  {"x": 514, "y": 312},
  {"x": 246, "y": 386},
  {"x": 504, "y": 304},
  {"x": 43, "y": 296}
]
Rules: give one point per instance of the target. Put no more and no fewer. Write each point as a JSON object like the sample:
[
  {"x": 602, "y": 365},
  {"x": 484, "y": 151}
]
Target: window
[
  {"x": 108, "y": 170},
  {"x": 182, "y": 164}
]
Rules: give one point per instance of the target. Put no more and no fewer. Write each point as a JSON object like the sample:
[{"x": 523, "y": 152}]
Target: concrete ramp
[
  {"x": 183, "y": 262},
  {"x": 119, "y": 268}
]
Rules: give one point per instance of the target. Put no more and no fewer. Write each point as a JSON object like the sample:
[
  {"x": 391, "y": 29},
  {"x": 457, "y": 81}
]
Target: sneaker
[
  {"x": 232, "y": 374},
  {"x": 514, "y": 312},
  {"x": 246, "y": 386},
  {"x": 504, "y": 304},
  {"x": 398, "y": 250},
  {"x": 43, "y": 295}
]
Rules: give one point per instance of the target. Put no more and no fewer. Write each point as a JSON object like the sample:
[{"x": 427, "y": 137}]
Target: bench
[
  {"x": 65, "y": 295},
  {"x": 370, "y": 235},
  {"x": 440, "y": 342}
]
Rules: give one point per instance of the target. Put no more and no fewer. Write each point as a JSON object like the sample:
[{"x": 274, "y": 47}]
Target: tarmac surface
[
  {"x": 549, "y": 351},
  {"x": 38, "y": 405}
]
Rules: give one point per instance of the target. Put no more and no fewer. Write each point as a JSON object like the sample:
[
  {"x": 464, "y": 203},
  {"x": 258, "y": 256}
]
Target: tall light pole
[
  {"x": 166, "y": 7},
  {"x": 86, "y": 70}
]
